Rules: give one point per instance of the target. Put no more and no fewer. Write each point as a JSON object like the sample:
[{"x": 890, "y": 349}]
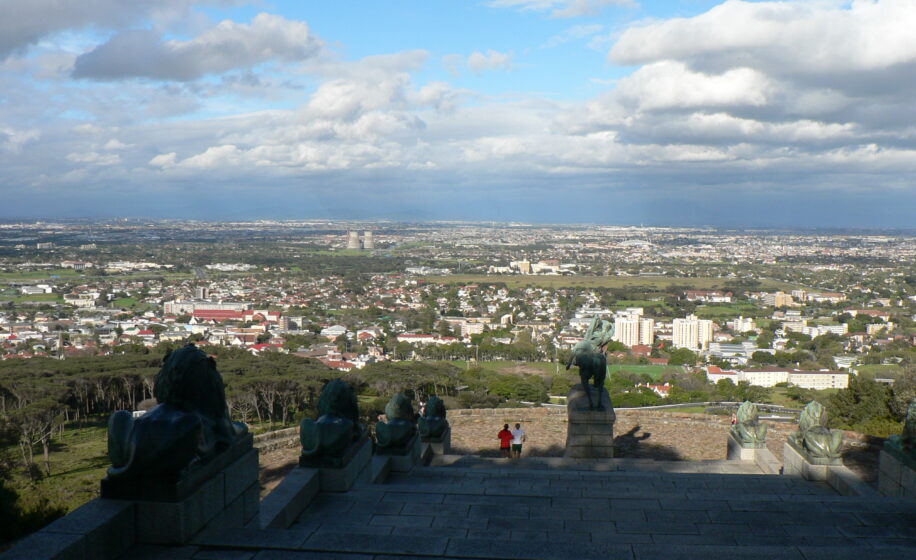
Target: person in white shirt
[{"x": 518, "y": 437}]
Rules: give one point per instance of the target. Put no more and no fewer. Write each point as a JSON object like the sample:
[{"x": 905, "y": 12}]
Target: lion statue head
[{"x": 399, "y": 408}]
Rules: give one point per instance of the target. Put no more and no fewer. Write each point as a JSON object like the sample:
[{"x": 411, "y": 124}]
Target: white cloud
[
  {"x": 492, "y": 60},
  {"x": 781, "y": 37},
  {"x": 164, "y": 160},
  {"x": 94, "y": 158},
  {"x": 87, "y": 128},
  {"x": 214, "y": 157},
  {"x": 115, "y": 144},
  {"x": 563, "y": 8},
  {"x": 229, "y": 45},
  {"x": 25, "y": 22},
  {"x": 12, "y": 140},
  {"x": 573, "y": 33},
  {"x": 667, "y": 84}
]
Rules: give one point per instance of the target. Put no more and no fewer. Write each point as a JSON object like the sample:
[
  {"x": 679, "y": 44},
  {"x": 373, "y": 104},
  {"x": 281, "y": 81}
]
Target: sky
[{"x": 677, "y": 112}]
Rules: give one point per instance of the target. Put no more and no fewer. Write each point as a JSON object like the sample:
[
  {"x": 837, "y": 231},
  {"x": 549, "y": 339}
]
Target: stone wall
[
  {"x": 642, "y": 434},
  {"x": 655, "y": 434}
]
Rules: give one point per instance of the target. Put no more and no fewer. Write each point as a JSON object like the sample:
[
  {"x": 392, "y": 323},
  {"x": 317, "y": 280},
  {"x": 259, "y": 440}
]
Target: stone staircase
[{"x": 473, "y": 507}]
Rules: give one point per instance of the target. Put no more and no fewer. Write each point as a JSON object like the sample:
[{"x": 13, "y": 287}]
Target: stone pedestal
[
  {"x": 738, "y": 452},
  {"x": 896, "y": 472},
  {"x": 402, "y": 458},
  {"x": 288, "y": 500},
  {"x": 222, "y": 493},
  {"x": 589, "y": 433},
  {"x": 797, "y": 462},
  {"x": 441, "y": 445},
  {"x": 338, "y": 474}
]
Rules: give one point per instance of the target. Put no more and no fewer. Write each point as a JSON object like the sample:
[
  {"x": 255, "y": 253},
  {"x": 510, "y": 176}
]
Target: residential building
[{"x": 692, "y": 333}]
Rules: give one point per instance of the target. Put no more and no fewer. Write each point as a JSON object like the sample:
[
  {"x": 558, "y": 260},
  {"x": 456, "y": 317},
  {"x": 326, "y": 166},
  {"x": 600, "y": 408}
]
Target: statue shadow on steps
[
  {"x": 628, "y": 445},
  {"x": 864, "y": 459},
  {"x": 277, "y": 473}
]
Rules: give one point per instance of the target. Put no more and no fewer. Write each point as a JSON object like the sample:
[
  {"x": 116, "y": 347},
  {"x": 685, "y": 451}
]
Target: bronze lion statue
[
  {"x": 190, "y": 424},
  {"x": 337, "y": 426},
  {"x": 400, "y": 428},
  {"x": 432, "y": 423},
  {"x": 906, "y": 441},
  {"x": 814, "y": 437},
  {"x": 749, "y": 431}
]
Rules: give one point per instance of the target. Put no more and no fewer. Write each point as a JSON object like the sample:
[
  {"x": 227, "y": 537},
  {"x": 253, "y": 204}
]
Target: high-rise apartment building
[
  {"x": 692, "y": 333},
  {"x": 632, "y": 329}
]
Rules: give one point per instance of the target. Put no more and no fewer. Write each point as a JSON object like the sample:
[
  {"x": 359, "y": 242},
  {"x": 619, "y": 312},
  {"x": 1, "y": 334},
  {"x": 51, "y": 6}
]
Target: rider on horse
[{"x": 589, "y": 356}]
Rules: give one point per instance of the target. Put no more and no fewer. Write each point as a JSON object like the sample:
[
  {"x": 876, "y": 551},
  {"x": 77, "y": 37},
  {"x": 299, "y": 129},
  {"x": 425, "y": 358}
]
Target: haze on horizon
[{"x": 677, "y": 112}]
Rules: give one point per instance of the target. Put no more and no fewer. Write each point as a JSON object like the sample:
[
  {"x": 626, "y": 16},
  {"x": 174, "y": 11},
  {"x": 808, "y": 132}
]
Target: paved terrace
[{"x": 473, "y": 507}]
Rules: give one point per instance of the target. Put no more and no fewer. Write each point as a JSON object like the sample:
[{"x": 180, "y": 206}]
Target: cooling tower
[
  {"x": 368, "y": 241},
  {"x": 353, "y": 240}
]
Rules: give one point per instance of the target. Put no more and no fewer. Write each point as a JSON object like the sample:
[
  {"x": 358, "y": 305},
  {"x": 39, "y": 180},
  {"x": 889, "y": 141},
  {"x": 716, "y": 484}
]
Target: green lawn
[
  {"x": 23, "y": 275},
  {"x": 654, "y": 371},
  {"x": 509, "y": 367},
  {"x": 550, "y": 368},
  {"x": 778, "y": 397},
  {"x": 78, "y": 462},
  {"x": 879, "y": 370},
  {"x": 124, "y": 302},
  {"x": 652, "y": 283},
  {"x": 726, "y": 310},
  {"x": 33, "y": 297}
]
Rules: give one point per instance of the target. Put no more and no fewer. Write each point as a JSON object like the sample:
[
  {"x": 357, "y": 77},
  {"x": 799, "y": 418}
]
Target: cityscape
[{"x": 507, "y": 279}]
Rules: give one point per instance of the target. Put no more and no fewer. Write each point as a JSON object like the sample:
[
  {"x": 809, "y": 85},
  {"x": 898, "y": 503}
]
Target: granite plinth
[
  {"x": 341, "y": 478},
  {"x": 100, "y": 529},
  {"x": 896, "y": 472},
  {"x": 180, "y": 486},
  {"x": 290, "y": 498},
  {"x": 441, "y": 445},
  {"x": 820, "y": 461},
  {"x": 326, "y": 461},
  {"x": 740, "y": 452},
  {"x": 797, "y": 463},
  {"x": 589, "y": 432},
  {"x": 229, "y": 499},
  {"x": 402, "y": 458}
]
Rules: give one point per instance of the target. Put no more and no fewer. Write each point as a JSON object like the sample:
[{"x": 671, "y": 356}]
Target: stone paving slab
[
  {"x": 833, "y": 553},
  {"x": 486, "y": 548},
  {"x": 506, "y": 510},
  {"x": 305, "y": 555},
  {"x": 342, "y": 542}
]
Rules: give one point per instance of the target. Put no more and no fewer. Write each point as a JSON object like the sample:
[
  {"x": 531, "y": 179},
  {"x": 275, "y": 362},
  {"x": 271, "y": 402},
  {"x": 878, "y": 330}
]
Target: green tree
[{"x": 682, "y": 356}]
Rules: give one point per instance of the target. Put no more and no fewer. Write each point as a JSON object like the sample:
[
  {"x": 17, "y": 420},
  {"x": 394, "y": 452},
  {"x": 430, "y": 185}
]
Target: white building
[
  {"x": 742, "y": 324},
  {"x": 769, "y": 377},
  {"x": 692, "y": 333},
  {"x": 633, "y": 330},
  {"x": 816, "y": 331}
]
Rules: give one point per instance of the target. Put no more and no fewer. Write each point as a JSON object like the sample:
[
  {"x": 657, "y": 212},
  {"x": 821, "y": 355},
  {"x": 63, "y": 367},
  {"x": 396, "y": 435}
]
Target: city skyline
[{"x": 683, "y": 112}]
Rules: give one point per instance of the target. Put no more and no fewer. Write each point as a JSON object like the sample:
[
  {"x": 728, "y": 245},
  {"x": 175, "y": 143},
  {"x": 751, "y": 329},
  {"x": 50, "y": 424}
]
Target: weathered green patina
[
  {"x": 432, "y": 424},
  {"x": 190, "y": 425},
  {"x": 327, "y": 440},
  {"x": 589, "y": 356},
  {"x": 814, "y": 438},
  {"x": 749, "y": 432},
  {"x": 400, "y": 428},
  {"x": 906, "y": 441}
]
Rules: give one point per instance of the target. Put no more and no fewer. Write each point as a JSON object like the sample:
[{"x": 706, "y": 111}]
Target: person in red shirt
[{"x": 505, "y": 440}]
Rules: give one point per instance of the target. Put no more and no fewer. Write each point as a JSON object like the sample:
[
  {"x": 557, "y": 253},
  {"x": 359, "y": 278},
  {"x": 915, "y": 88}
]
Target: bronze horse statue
[{"x": 589, "y": 356}]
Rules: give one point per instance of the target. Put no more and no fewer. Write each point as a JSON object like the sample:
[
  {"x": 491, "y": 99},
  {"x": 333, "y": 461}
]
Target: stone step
[
  {"x": 491, "y": 510},
  {"x": 595, "y": 465}
]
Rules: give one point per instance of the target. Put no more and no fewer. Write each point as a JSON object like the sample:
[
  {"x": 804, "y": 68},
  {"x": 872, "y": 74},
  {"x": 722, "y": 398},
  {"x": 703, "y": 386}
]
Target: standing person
[
  {"x": 518, "y": 437},
  {"x": 505, "y": 440}
]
